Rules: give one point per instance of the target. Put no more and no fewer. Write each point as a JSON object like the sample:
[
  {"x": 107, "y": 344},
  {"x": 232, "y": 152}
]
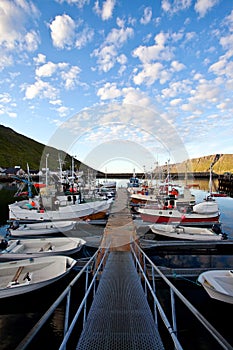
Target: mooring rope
[{"x": 186, "y": 279}]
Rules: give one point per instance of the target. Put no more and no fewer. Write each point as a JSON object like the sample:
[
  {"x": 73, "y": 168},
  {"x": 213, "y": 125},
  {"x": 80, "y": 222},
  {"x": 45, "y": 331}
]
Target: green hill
[{"x": 16, "y": 149}]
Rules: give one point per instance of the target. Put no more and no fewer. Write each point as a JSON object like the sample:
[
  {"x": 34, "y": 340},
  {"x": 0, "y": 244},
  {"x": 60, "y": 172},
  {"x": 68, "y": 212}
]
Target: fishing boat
[
  {"x": 27, "y": 275},
  {"x": 218, "y": 284},
  {"x": 57, "y": 209},
  {"x": 40, "y": 228},
  {"x": 188, "y": 232},
  {"x": 205, "y": 213},
  {"x": 52, "y": 204},
  {"x": 16, "y": 249}
]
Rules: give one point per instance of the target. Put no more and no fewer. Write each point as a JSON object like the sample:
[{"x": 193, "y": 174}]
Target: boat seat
[
  {"x": 17, "y": 274},
  {"x": 47, "y": 246},
  {"x": 17, "y": 249}
]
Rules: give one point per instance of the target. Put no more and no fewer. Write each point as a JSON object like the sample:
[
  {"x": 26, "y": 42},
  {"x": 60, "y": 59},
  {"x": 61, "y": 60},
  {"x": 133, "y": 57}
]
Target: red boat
[{"x": 205, "y": 213}]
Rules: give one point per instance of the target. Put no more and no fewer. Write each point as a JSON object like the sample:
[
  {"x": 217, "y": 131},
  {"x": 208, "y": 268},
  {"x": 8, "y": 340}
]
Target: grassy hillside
[{"x": 16, "y": 149}]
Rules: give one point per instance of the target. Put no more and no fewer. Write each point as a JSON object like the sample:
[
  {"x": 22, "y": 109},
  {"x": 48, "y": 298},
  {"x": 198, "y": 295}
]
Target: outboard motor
[
  {"x": 217, "y": 228},
  {"x": 15, "y": 225},
  {"x": 3, "y": 244}
]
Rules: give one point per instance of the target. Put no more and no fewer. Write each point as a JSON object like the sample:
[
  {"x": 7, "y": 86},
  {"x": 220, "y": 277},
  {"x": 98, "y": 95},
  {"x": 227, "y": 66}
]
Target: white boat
[
  {"x": 218, "y": 284},
  {"x": 187, "y": 232},
  {"x": 27, "y": 275},
  {"x": 63, "y": 208},
  {"x": 17, "y": 249},
  {"x": 40, "y": 228}
]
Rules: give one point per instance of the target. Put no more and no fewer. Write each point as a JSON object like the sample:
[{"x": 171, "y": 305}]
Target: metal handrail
[
  {"x": 67, "y": 293},
  {"x": 138, "y": 255}
]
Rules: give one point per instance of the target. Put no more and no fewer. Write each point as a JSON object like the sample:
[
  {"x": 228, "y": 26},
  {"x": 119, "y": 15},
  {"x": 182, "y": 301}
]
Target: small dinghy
[
  {"x": 27, "y": 275},
  {"x": 188, "y": 232},
  {"x": 40, "y": 228},
  {"x": 16, "y": 249}
]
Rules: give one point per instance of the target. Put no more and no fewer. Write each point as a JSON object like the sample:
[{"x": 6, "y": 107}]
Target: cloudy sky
[{"x": 119, "y": 84}]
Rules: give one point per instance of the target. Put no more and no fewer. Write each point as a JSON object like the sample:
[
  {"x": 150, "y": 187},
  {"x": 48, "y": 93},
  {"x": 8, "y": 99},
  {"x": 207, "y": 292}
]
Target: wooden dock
[{"x": 120, "y": 229}]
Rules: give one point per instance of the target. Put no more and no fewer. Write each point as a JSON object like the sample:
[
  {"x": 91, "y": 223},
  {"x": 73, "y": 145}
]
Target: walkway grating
[{"x": 120, "y": 317}]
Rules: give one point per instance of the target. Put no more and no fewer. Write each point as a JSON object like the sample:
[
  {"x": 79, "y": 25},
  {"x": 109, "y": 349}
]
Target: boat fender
[{"x": 3, "y": 244}]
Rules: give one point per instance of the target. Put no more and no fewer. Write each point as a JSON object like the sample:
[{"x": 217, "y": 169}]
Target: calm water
[{"x": 17, "y": 316}]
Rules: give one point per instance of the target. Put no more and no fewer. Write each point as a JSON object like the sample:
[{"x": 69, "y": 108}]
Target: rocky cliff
[{"x": 221, "y": 163}]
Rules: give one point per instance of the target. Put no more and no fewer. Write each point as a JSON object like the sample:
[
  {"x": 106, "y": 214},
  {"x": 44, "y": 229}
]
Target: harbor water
[{"x": 18, "y": 315}]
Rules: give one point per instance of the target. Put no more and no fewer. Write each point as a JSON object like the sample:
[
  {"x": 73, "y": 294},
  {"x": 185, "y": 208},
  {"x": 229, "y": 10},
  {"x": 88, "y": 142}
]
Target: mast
[
  {"x": 210, "y": 180},
  {"x": 46, "y": 170}
]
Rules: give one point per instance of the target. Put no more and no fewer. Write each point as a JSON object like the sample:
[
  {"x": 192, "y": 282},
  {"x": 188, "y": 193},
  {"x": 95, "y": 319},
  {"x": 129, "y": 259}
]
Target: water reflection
[{"x": 194, "y": 261}]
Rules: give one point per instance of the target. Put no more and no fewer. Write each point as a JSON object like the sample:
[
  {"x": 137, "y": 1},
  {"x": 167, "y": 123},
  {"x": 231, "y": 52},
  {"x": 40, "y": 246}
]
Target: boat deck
[{"x": 120, "y": 316}]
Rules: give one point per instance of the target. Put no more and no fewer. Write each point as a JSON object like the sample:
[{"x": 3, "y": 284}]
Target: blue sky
[{"x": 119, "y": 84}]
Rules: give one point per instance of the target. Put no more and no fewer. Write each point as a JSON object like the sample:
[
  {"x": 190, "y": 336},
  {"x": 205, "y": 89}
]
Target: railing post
[
  {"x": 173, "y": 311},
  {"x": 85, "y": 305},
  {"x": 154, "y": 290},
  {"x": 66, "y": 322}
]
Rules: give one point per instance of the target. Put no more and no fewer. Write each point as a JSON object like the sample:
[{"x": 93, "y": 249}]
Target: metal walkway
[{"x": 120, "y": 317}]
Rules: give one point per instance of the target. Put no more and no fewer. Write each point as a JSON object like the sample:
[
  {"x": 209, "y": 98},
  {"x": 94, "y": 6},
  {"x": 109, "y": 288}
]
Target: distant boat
[
  {"x": 40, "y": 228},
  {"x": 187, "y": 232},
  {"x": 27, "y": 275},
  {"x": 218, "y": 284},
  {"x": 17, "y": 249}
]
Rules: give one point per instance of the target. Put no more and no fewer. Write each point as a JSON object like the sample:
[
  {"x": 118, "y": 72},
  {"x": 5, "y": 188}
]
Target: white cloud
[
  {"x": 63, "y": 31},
  {"x": 70, "y": 77},
  {"x": 40, "y": 89},
  {"x": 159, "y": 51},
  {"x": 85, "y": 36},
  {"x": 150, "y": 73},
  {"x": 203, "y": 6},
  {"x": 78, "y": 3},
  {"x": 107, "y": 9},
  {"x": 63, "y": 111},
  {"x": 15, "y": 18},
  {"x": 175, "y": 102},
  {"x": 177, "y": 66},
  {"x": 46, "y": 70},
  {"x": 109, "y": 91},
  {"x": 39, "y": 59},
  {"x": 6, "y": 60},
  {"x": 175, "y": 6},
  {"x": 107, "y": 55},
  {"x": 147, "y": 15}
]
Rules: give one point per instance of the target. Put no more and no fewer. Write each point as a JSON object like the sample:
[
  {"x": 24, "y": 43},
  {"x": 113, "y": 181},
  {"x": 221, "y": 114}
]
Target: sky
[{"x": 120, "y": 85}]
